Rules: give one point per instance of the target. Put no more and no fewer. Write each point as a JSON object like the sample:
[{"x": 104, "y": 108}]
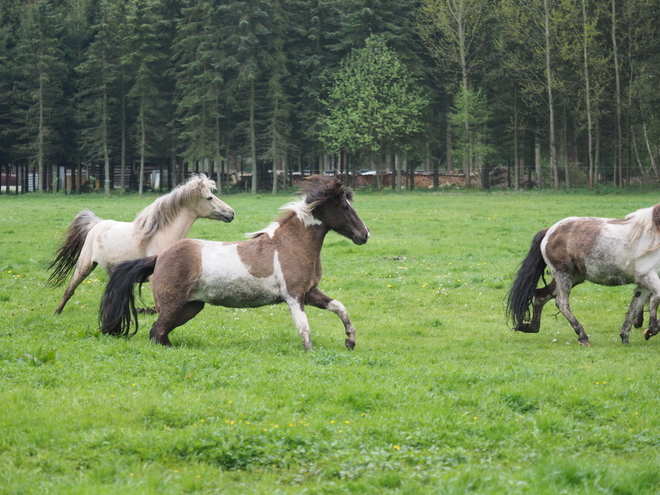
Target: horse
[
  {"x": 604, "y": 251},
  {"x": 90, "y": 241},
  {"x": 281, "y": 263}
]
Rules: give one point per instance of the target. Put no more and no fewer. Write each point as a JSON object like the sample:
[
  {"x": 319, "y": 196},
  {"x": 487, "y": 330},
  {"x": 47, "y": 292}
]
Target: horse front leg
[
  {"x": 318, "y": 299},
  {"x": 297, "y": 310},
  {"x": 634, "y": 311}
]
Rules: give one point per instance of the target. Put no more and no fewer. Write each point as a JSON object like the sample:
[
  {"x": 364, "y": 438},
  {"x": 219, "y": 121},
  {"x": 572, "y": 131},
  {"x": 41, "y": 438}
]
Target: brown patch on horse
[
  {"x": 181, "y": 273},
  {"x": 571, "y": 242},
  {"x": 258, "y": 253}
]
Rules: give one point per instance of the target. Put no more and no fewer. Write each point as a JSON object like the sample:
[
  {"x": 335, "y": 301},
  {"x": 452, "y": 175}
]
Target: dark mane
[{"x": 318, "y": 189}]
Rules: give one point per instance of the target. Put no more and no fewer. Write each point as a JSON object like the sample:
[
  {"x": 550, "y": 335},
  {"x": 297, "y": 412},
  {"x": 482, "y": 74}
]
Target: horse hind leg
[
  {"x": 564, "y": 286},
  {"x": 318, "y": 299},
  {"x": 541, "y": 298},
  {"x": 83, "y": 269},
  {"x": 635, "y": 310},
  {"x": 653, "y": 327},
  {"x": 171, "y": 318}
]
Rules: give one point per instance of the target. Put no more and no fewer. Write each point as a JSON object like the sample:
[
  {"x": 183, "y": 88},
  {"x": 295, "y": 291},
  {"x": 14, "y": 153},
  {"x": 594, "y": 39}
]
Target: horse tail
[
  {"x": 69, "y": 252},
  {"x": 522, "y": 290},
  {"x": 117, "y": 309}
]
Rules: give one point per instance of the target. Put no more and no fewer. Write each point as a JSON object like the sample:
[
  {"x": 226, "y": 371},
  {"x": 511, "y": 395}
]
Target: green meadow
[{"x": 439, "y": 395}]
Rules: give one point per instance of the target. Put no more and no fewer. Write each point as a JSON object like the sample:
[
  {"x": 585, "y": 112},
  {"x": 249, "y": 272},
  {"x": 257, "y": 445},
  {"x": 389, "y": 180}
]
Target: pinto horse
[
  {"x": 604, "y": 251},
  {"x": 281, "y": 263},
  {"x": 90, "y": 241}
]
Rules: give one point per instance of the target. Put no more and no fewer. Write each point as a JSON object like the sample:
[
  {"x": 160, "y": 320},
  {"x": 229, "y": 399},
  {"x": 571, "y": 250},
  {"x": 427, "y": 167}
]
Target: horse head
[
  {"x": 208, "y": 204},
  {"x": 330, "y": 203}
]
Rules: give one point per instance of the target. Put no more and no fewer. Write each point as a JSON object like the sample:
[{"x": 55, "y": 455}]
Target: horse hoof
[
  {"x": 585, "y": 343},
  {"x": 526, "y": 328},
  {"x": 350, "y": 344},
  {"x": 647, "y": 334}
]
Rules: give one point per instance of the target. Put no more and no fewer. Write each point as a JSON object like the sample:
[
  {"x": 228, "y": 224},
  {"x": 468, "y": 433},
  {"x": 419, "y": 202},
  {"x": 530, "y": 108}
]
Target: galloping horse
[
  {"x": 281, "y": 263},
  {"x": 90, "y": 241},
  {"x": 601, "y": 250}
]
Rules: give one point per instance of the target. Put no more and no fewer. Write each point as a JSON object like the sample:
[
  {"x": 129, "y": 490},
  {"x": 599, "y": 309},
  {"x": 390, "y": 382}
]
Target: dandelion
[
  {"x": 396, "y": 446},
  {"x": 475, "y": 418},
  {"x": 389, "y": 286},
  {"x": 346, "y": 421},
  {"x": 332, "y": 421}
]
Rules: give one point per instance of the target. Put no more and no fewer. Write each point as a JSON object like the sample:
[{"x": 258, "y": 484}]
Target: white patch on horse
[
  {"x": 270, "y": 230},
  {"x": 226, "y": 280},
  {"x": 295, "y": 308},
  {"x": 303, "y": 211}
]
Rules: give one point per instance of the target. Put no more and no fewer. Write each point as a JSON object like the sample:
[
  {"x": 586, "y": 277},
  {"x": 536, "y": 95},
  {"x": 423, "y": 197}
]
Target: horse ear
[{"x": 656, "y": 217}]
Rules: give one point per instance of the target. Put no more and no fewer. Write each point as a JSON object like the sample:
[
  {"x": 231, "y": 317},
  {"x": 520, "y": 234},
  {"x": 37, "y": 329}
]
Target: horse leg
[
  {"x": 318, "y": 299},
  {"x": 83, "y": 268},
  {"x": 636, "y": 308},
  {"x": 653, "y": 327},
  {"x": 173, "y": 317},
  {"x": 297, "y": 309},
  {"x": 564, "y": 286},
  {"x": 541, "y": 297}
]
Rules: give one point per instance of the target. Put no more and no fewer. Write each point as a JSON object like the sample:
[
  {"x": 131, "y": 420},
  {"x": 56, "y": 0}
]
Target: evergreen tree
[
  {"x": 38, "y": 92},
  {"x": 146, "y": 61},
  {"x": 98, "y": 76}
]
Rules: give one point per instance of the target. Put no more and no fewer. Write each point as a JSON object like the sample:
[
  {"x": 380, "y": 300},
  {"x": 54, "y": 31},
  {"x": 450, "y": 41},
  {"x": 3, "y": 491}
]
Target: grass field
[{"x": 439, "y": 395}]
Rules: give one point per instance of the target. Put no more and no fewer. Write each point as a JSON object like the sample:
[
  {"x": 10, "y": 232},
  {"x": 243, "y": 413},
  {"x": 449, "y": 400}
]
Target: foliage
[
  {"x": 439, "y": 396},
  {"x": 470, "y": 108},
  {"x": 373, "y": 101}
]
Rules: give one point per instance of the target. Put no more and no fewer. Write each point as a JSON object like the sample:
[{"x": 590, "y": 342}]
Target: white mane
[{"x": 303, "y": 212}]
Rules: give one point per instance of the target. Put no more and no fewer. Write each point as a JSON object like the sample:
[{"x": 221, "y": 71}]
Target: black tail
[
  {"x": 72, "y": 243},
  {"x": 118, "y": 302},
  {"x": 522, "y": 290}
]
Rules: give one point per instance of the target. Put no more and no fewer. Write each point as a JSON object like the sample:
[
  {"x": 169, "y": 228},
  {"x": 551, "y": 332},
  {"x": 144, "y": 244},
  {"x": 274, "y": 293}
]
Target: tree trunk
[
  {"x": 537, "y": 160},
  {"x": 617, "y": 79},
  {"x": 587, "y": 93},
  {"x": 548, "y": 72},
  {"x": 143, "y": 142},
  {"x": 253, "y": 141}
]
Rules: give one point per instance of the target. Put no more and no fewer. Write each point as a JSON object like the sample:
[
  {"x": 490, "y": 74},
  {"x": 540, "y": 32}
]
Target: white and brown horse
[
  {"x": 281, "y": 263},
  {"x": 604, "y": 251},
  {"x": 90, "y": 241}
]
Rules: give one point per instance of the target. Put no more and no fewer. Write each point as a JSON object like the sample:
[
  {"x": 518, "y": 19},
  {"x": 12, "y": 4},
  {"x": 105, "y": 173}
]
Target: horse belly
[{"x": 226, "y": 281}]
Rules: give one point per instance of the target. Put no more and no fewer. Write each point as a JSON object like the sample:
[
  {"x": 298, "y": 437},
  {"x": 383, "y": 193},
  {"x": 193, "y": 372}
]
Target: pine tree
[
  {"x": 146, "y": 61},
  {"x": 38, "y": 91},
  {"x": 198, "y": 85}
]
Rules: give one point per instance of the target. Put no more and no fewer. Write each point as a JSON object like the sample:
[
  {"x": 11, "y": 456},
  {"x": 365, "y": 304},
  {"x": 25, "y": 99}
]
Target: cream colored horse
[{"x": 90, "y": 241}]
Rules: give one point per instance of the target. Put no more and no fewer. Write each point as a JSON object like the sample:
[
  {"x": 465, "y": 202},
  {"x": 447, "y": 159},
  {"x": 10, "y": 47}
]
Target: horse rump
[
  {"x": 117, "y": 309},
  {"x": 68, "y": 253},
  {"x": 522, "y": 291}
]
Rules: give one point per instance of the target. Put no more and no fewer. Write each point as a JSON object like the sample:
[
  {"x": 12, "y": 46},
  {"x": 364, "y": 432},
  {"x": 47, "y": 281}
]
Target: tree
[
  {"x": 98, "y": 76},
  {"x": 39, "y": 87},
  {"x": 471, "y": 141},
  {"x": 453, "y": 32},
  {"x": 199, "y": 83},
  {"x": 373, "y": 102},
  {"x": 146, "y": 60}
]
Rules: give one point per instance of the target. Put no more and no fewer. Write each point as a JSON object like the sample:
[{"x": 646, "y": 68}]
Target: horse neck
[
  {"x": 177, "y": 229},
  {"x": 312, "y": 236}
]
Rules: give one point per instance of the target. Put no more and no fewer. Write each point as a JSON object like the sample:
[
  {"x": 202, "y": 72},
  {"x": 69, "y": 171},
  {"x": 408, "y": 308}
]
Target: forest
[{"x": 545, "y": 94}]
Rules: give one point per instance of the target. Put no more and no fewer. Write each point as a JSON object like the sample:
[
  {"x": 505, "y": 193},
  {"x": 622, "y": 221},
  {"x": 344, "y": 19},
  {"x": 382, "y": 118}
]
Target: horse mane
[
  {"x": 645, "y": 220},
  {"x": 162, "y": 211},
  {"x": 316, "y": 190}
]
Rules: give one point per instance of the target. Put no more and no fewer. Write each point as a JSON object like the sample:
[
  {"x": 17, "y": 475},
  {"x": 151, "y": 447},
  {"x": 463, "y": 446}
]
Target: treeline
[{"x": 531, "y": 93}]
